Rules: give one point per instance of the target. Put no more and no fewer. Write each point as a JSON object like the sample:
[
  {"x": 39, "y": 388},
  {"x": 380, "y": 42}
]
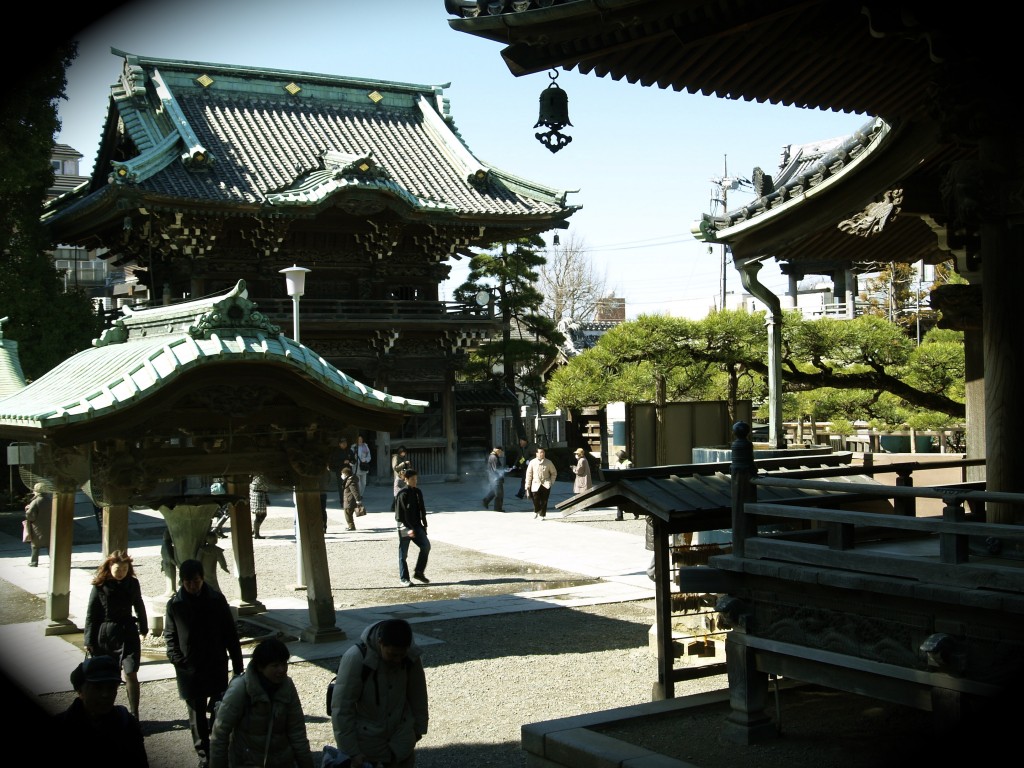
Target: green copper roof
[{"x": 149, "y": 349}]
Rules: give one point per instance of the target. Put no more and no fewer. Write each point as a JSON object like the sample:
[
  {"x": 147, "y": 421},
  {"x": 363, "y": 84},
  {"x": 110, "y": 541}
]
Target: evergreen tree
[
  {"x": 529, "y": 340},
  {"x": 48, "y": 324}
]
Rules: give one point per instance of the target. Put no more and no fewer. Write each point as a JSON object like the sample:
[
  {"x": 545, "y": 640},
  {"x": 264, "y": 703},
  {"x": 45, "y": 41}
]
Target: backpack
[{"x": 365, "y": 673}]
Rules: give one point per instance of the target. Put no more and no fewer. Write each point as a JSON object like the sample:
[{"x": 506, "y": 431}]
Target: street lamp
[{"x": 295, "y": 281}]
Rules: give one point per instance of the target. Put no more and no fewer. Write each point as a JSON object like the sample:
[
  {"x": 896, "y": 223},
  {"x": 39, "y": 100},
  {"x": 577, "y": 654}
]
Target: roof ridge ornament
[{"x": 554, "y": 114}]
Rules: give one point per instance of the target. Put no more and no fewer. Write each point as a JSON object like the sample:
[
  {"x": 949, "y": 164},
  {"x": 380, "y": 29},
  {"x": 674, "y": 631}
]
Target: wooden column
[
  {"x": 115, "y": 528},
  {"x": 322, "y": 627},
  {"x": 58, "y": 594},
  {"x": 1002, "y": 266},
  {"x": 665, "y": 686},
  {"x": 242, "y": 551}
]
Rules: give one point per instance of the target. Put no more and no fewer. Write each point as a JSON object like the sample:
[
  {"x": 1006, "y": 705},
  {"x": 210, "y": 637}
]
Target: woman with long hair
[{"x": 110, "y": 627}]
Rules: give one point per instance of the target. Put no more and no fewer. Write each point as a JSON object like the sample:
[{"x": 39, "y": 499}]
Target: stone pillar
[{"x": 242, "y": 550}]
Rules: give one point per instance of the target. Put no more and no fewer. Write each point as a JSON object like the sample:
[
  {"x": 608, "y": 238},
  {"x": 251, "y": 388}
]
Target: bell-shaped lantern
[{"x": 554, "y": 115}]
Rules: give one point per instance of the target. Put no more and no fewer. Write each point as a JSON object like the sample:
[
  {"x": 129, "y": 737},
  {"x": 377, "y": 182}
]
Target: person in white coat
[{"x": 540, "y": 476}]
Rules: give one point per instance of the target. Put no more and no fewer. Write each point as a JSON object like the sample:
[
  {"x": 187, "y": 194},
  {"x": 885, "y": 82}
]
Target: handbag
[
  {"x": 25, "y": 535},
  {"x": 360, "y": 510}
]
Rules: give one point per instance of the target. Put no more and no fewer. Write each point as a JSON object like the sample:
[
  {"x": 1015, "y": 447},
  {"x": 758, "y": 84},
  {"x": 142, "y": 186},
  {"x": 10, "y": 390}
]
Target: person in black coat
[
  {"x": 200, "y": 632},
  {"x": 110, "y": 627},
  {"x": 411, "y": 516}
]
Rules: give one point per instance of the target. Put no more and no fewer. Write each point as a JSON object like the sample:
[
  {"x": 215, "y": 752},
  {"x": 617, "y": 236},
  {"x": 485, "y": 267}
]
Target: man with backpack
[{"x": 379, "y": 704}]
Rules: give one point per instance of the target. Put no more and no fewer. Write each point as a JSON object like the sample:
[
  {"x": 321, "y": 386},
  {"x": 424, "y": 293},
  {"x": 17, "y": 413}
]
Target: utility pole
[{"x": 723, "y": 184}]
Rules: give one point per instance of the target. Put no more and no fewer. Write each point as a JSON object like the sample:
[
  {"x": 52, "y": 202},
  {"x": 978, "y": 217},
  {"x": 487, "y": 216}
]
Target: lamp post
[{"x": 295, "y": 282}]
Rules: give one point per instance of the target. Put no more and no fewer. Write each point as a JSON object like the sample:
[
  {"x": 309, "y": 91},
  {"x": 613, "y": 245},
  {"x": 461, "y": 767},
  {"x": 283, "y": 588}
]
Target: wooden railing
[
  {"x": 839, "y": 538},
  {"x": 341, "y": 309}
]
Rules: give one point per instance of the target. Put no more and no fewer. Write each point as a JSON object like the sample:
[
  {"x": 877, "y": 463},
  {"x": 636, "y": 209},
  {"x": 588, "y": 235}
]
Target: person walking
[
  {"x": 379, "y": 708},
  {"x": 526, "y": 454},
  {"x": 94, "y": 730},
  {"x": 110, "y": 628},
  {"x": 540, "y": 476},
  {"x": 258, "y": 490},
  {"x": 581, "y": 469},
  {"x": 352, "y": 498},
  {"x": 364, "y": 459},
  {"x": 37, "y": 522},
  {"x": 341, "y": 456},
  {"x": 411, "y": 516},
  {"x": 260, "y": 720},
  {"x": 624, "y": 463},
  {"x": 399, "y": 464},
  {"x": 200, "y": 633},
  {"x": 495, "y": 480}
]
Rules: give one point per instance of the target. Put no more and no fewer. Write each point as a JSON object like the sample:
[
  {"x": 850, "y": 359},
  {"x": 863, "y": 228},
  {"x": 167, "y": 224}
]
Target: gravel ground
[{"x": 490, "y": 675}]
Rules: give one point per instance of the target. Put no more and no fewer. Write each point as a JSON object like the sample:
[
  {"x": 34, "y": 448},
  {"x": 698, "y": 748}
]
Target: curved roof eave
[
  {"x": 118, "y": 374},
  {"x": 763, "y": 226}
]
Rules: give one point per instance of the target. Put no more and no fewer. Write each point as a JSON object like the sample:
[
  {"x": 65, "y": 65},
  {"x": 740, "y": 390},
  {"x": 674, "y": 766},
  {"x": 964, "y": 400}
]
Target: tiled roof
[
  {"x": 12, "y": 379},
  {"x": 804, "y": 168},
  {"x": 244, "y": 139},
  {"x": 149, "y": 349}
]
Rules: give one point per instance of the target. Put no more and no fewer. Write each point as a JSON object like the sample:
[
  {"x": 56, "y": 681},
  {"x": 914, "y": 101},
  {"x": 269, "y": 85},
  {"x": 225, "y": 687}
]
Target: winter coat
[
  {"x": 350, "y": 492},
  {"x": 582, "y": 480},
  {"x": 113, "y": 739},
  {"x": 384, "y": 715},
  {"x": 247, "y": 712},
  {"x": 410, "y": 509},
  {"x": 109, "y": 623},
  {"x": 399, "y": 463},
  {"x": 495, "y": 472},
  {"x": 37, "y": 513},
  {"x": 540, "y": 473},
  {"x": 200, "y": 634}
]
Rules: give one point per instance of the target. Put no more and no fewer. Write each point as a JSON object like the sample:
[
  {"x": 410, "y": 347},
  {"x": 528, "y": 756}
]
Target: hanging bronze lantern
[{"x": 554, "y": 114}]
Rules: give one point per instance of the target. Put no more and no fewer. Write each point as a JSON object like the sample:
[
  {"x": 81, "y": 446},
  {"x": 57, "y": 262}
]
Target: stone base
[
  {"x": 63, "y": 627},
  {"x": 331, "y": 635},
  {"x": 691, "y": 646}
]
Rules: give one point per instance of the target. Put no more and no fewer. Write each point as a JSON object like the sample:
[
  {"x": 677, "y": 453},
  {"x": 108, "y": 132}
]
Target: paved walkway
[{"x": 617, "y": 559}]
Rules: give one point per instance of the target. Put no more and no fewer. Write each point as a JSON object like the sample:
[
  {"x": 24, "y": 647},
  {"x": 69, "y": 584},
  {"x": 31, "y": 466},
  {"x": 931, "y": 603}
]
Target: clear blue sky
[{"x": 642, "y": 159}]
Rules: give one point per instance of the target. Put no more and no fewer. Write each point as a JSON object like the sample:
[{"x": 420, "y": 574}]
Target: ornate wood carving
[
  {"x": 960, "y": 306},
  {"x": 872, "y": 220},
  {"x": 191, "y": 235},
  {"x": 265, "y": 234},
  {"x": 381, "y": 240}
]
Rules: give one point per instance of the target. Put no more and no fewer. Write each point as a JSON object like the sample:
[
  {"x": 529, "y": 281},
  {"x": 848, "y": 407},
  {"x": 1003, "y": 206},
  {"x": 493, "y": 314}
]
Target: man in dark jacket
[
  {"x": 411, "y": 516},
  {"x": 200, "y": 632},
  {"x": 526, "y": 452},
  {"x": 495, "y": 480},
  {"x": 94, "y": 730}
]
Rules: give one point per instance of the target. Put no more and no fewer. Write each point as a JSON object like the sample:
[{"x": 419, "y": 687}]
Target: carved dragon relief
[
  {"x": 873, "y": 219},
  {"x": 887, "y": 639}
]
